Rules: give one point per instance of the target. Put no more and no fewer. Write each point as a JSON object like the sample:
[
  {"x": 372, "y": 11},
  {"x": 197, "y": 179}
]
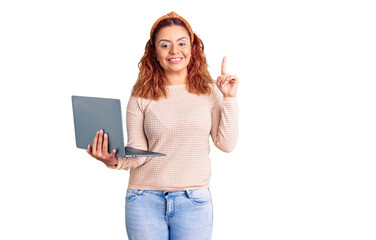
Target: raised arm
[{"x": 225, "y": 112}]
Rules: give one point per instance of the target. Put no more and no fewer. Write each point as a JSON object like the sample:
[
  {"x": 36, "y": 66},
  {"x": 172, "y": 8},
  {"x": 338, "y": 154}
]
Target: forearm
[
  {"x": 127, "y": 163},
  {"x": 225, "y": 138}
]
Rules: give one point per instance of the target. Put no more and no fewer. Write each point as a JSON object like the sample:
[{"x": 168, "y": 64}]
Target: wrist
[
  {"x": 113, "y": 163},
  {"x": 116, "y": 162}
]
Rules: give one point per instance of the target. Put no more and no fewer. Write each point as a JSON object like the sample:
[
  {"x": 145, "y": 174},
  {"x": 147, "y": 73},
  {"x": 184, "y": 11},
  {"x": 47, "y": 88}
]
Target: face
[{"x": 173, "y": 48}]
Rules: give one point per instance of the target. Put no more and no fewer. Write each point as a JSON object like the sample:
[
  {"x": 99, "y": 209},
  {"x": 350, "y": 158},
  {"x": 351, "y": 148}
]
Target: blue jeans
[{"x": 164, "y": 215}]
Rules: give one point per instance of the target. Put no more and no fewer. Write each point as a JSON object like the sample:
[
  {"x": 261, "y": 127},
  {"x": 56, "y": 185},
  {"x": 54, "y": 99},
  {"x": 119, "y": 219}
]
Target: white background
[{"x": 303, "y": 168}]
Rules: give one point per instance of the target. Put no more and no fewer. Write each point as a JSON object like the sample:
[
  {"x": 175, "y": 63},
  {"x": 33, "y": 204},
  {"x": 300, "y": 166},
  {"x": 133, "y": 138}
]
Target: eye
[
  {"x": 164, "y": 45},
  {"x": 182, "y": 44}
]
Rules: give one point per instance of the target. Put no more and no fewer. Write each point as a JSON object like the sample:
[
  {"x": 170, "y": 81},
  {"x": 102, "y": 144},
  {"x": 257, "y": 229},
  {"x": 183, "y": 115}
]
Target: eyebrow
[{"x": 170, "y": 41}]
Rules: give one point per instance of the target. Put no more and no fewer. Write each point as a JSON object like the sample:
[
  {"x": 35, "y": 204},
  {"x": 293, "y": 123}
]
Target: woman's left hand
[{"x": 227, "y": 84}]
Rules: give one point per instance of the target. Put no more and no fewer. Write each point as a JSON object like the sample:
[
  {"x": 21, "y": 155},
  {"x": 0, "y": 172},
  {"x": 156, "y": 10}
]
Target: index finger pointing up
[{"x": 223, "y": 71}]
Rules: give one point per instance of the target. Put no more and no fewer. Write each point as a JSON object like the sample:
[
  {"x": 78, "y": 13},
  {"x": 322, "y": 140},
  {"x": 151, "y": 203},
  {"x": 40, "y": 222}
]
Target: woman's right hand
[{"x": 99, "y": 150}]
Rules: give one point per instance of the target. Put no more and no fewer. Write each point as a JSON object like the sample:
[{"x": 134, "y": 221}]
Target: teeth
[{"x": 174, "y": 59}]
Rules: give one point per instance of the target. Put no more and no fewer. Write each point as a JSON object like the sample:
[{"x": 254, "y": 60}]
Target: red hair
[{"x": 151, "y": 83}]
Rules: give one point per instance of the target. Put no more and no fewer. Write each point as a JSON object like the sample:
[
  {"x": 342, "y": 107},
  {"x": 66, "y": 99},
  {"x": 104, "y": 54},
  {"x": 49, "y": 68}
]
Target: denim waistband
[
  {"x": 170, "y": 193},
  {"x": 163, "y": 193}
]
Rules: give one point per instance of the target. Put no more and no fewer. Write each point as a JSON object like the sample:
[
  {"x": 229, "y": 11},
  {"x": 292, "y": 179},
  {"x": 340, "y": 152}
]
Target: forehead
[{"x": 172, "y": 33}]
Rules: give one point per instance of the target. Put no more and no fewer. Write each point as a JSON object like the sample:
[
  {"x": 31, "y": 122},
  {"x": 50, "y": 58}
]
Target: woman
[{"x": 174, "y": 107}]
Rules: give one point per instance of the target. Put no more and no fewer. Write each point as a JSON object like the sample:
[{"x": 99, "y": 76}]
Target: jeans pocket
[
  {"x": 133, "y": 194},
  {"x": 200, "y": 196}
]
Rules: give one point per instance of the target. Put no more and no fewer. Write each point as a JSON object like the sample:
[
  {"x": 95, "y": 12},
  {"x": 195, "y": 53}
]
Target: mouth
[{"x": 174, "y": 60}]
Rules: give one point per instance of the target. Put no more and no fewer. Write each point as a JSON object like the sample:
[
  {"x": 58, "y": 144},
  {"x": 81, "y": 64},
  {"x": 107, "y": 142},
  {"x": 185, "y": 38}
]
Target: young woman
[{"x": 174, "y": 108}]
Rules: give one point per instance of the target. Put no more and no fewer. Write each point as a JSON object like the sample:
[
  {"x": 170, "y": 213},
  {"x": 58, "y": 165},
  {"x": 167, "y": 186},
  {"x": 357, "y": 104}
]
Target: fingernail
[
  {"x": 105, "y": 135},
  {"x": 101, "y": 131}
]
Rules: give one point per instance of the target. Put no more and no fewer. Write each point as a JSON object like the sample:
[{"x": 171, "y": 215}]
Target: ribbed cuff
[
  {"x": 121, "y": 162},
  {"x": 229, "y": 99}
]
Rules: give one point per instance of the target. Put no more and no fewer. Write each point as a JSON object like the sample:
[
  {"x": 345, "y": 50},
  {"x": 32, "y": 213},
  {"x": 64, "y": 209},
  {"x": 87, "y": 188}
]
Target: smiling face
[{"x": 173, "y": 49}]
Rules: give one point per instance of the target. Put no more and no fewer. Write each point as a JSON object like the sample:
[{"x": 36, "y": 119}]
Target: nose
[{"x": 173, "y": 49}]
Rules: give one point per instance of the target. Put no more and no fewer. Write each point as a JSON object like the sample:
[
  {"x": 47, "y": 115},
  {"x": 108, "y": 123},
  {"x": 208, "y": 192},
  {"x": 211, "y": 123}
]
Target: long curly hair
[{"x": 151, "y": 82}]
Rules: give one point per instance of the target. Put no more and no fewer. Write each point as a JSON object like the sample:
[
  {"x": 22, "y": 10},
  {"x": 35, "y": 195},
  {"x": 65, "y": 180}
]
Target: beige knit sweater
[{"x": 178, "y": 126}]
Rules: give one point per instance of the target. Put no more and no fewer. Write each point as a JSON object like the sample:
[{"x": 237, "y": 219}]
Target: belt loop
[{"x": 189, "y": 193}]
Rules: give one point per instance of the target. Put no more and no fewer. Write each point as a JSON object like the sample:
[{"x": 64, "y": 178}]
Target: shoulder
[
  {"x": 215, "y": 93},
  {"x": 137, "y": 104}
]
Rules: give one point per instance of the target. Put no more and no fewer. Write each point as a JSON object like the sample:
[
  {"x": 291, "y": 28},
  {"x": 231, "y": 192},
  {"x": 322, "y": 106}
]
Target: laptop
[{"x": 91, "y": 114}]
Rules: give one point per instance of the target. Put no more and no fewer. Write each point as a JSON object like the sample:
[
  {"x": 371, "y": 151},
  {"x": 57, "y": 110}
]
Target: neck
[{"x": 176, "y": 78}]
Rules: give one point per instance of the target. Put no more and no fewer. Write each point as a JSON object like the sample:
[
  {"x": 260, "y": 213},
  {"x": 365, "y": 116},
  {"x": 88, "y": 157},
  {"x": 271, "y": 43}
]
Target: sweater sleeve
[
  {"x": 136, "y": 135},
  {"x": 225, "y": 115}
]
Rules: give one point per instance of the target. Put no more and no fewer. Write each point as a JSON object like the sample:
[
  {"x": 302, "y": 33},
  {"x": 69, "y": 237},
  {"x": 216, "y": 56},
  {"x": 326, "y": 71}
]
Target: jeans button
[{"x": 165, "y": 194}]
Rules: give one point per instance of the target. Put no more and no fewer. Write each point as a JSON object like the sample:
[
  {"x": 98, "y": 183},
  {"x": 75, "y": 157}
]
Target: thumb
[{"x": 113, "y": 153}]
